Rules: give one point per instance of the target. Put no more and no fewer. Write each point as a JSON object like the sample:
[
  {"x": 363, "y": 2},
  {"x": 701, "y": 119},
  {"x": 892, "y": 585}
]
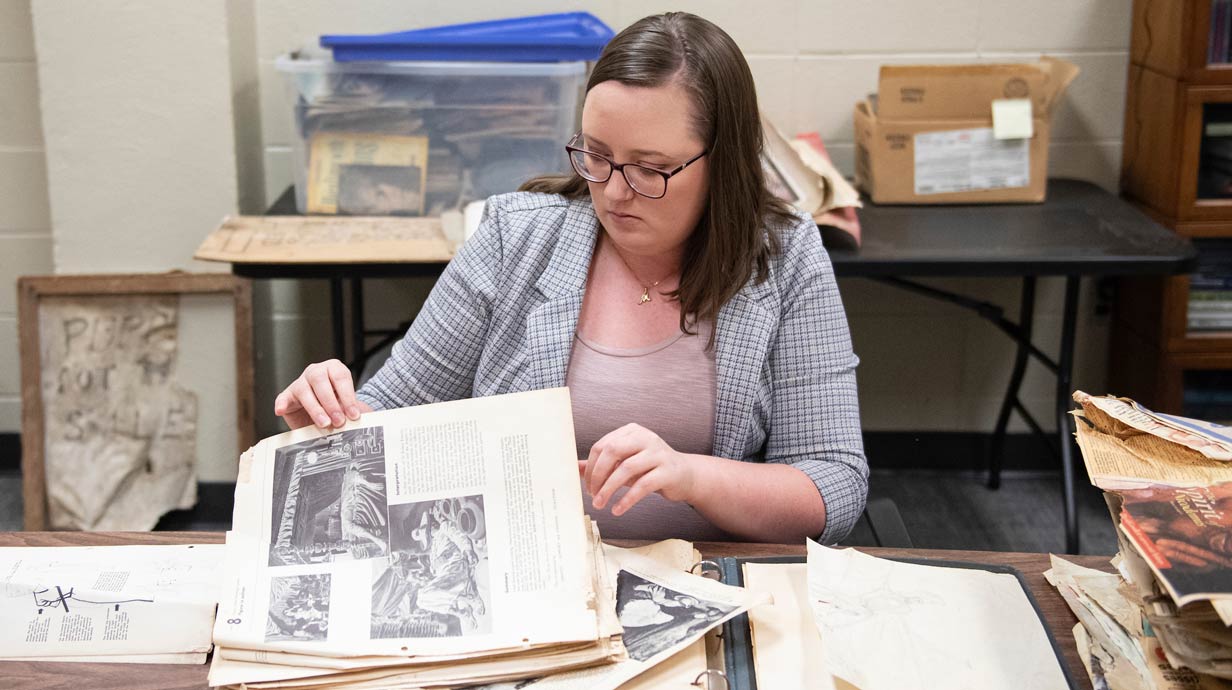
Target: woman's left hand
[{"x": 636, "y": 457}]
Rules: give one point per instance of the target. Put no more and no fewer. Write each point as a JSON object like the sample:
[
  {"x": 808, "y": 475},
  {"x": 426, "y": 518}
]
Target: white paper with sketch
[
  {"x": 942, "y": 627},
  {"x": 108, "y": 601}
]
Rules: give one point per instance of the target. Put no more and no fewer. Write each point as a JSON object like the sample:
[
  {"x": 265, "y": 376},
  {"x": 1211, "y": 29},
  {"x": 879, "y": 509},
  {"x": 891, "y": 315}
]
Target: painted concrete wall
[
  {"x": 813, "y": 59},
  {"x": 25, "y": 215},
  {"x": 127, "y": 129},
  {"x": 140, "y": 148}
]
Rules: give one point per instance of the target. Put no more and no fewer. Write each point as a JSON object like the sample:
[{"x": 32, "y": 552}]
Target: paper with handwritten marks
[
  {"x": 120, "y": 430},
  {"x": 108, "y": 603}
]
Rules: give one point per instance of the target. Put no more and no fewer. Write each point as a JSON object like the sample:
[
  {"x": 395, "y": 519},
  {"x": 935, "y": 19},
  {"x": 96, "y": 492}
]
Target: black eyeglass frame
[{"x": 613, "y": 166}]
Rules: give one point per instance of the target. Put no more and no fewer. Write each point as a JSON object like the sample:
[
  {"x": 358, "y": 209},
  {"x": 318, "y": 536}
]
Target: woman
[{"x": 694, "y": 317}]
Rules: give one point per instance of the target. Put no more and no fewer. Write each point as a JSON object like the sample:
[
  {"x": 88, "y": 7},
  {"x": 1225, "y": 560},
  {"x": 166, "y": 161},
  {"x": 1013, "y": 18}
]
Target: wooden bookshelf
[{"x": 1177, "y": 135}]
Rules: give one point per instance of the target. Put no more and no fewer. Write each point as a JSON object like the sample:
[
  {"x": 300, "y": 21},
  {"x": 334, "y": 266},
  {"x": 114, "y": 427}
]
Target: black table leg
[
  {"x": 357, "y": 327},
  {"x": 1026, "y": 316},
  {"x": 338, "y": 317},
  {"x": 1065, "y": 367}
]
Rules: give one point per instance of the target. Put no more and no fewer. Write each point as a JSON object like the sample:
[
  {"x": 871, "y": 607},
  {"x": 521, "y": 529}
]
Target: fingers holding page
[{"x": 323, "y": 395}]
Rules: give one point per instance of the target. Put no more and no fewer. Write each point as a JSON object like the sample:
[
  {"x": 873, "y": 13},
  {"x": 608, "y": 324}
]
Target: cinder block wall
[
  {"x": 926, "y": 365},
  {"x": 25, "y": 215}
]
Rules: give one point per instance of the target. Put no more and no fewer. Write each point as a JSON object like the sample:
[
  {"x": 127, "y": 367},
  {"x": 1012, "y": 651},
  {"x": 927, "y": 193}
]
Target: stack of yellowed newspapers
[
  {"x": 1163, "y": 620},
  {"x": 443, "y": 546}
]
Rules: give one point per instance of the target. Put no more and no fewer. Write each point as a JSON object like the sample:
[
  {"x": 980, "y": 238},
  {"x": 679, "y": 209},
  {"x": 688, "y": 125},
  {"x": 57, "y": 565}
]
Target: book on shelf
[
  {"x": 1211, "y": 295},
  {"x": 1217, "y": 324}
]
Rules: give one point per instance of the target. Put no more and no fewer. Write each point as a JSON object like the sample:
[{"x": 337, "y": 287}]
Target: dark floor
[
  {"x": 947, "y": 509},
  {"x": 942, "y": 509}
]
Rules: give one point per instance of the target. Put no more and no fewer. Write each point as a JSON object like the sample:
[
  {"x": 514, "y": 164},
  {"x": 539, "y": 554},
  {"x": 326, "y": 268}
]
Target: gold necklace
[{"x": 645, "y": 288}]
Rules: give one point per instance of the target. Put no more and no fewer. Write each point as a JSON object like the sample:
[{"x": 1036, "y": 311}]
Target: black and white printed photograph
[
  {"x": 435, "y": 582},
  {"x": 329, "y": 499},
  {"x": 387, "y": 190},
  {"x": 656, "y": 618},
  {"x": 298, "y": 608}
]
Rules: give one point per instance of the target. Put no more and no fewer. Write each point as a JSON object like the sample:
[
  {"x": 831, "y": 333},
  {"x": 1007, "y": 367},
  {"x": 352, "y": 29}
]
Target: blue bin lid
[{"x": 541, "y": 38}]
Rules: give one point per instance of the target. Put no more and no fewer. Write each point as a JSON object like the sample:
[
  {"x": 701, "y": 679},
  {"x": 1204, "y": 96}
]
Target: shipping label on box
[{"x": 964, "y": 160}]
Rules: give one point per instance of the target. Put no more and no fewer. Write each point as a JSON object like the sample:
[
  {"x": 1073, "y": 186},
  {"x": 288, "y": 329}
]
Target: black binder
[{"x": 737, "y": 642}]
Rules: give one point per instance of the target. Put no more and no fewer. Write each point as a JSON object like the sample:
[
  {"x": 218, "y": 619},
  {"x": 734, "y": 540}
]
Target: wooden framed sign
[{"x": 129, "y": 384}]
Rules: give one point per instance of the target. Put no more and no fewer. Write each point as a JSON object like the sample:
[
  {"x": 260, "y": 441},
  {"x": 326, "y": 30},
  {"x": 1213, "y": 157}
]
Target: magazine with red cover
[{"x": 1185, "y": 535}]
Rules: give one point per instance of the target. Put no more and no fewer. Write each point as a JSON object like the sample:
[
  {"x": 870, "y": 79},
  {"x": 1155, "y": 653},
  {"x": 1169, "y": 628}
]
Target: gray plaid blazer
[{"x": 502, "y": 319}]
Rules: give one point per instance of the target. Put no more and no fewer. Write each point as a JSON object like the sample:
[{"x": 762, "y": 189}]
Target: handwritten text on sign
[{"x": 120, "y": 432}]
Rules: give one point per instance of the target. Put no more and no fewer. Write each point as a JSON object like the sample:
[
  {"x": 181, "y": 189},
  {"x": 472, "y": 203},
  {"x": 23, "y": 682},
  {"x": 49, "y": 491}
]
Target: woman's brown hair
[{"x": 730, "y": 244}]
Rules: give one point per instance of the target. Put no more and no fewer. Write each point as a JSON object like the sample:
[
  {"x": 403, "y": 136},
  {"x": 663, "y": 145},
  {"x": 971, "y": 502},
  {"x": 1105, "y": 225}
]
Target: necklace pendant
[{"x": 645, "y": 297}]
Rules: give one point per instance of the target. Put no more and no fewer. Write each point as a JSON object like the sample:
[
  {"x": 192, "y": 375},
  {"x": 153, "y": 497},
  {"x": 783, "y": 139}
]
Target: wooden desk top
[{"x": 44, "y": 675}]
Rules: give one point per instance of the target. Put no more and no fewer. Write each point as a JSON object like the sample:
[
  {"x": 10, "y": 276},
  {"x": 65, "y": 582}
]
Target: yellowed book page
[
  {"x": 354, "y": 663},
  {"x": 788, "y": 177},
  {"x": 1223, "y": 607},
  {"x": 841, "y": 193},
  {"x": 673, "y": 553},
  {"x": 324, "y": 239},
  {"x": 1103, "y": 589},
  {"x": 1116, "y": 646},
  {"x": 787, "y": 650},
  {"x": 185, "y": 659},
  {"x": 678, "y": 671},
  {"x": 1124, "y": 418},
  {"x": 1084, "y": 654},
  {"x": 340, "y": 538},
  {"x": 604, "y": 585},
  {"x": 1141, "y": 460},
  {"x": 224, "y": 671},
  {"x": 367, "y": 174}
]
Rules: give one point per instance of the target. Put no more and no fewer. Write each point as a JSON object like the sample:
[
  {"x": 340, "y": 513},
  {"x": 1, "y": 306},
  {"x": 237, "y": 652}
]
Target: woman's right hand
[{"x": 323, "y": 395}]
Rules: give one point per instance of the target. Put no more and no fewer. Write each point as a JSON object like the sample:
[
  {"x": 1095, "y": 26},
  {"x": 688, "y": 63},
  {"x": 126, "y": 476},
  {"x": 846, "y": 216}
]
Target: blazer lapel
[
  {"x": 744, "y": 327},
  {"x": 550, "y": 327}
]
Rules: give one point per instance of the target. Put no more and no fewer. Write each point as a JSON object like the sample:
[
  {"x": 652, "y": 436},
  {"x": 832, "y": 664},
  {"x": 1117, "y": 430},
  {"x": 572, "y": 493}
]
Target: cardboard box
[{"x": 927, "y": 137}]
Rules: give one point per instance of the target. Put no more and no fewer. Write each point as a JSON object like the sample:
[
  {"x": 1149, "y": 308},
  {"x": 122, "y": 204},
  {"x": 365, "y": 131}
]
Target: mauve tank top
[{"x": 669, "y": 388}]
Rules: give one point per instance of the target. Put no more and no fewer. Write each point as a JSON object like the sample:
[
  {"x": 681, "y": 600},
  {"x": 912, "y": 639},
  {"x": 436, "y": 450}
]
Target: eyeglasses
[{"x": 596, "y": 167}]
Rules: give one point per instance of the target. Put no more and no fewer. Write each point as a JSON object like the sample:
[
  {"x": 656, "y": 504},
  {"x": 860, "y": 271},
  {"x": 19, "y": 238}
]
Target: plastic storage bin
[
  {"x": 541, "y": 38},
  {"x": 420, "y": 138}
]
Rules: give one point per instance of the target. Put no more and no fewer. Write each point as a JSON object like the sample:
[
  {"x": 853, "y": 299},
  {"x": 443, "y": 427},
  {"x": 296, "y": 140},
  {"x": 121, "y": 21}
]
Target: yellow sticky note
[{"x": 1011, "y": 118}]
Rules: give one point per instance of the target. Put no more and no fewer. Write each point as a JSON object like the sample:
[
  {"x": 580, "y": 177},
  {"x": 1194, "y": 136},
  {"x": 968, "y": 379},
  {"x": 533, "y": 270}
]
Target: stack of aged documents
[
  {"x": 1164, "y": 622},
  {"x": 445, "y": 546}
]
